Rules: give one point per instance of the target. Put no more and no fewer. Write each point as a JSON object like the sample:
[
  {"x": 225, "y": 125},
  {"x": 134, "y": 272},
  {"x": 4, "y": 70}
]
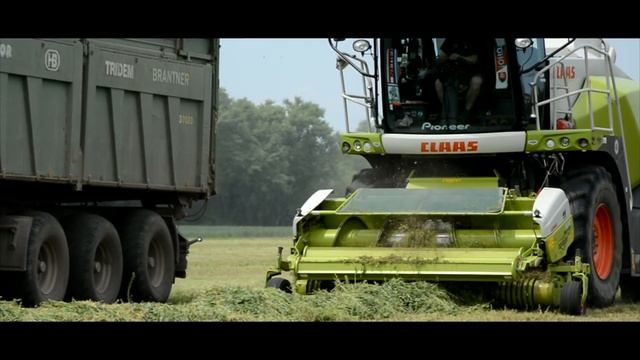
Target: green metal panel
[
  {"x": 40, "y": 103},
  {"x": 538, "y": 141},
  {"x": 372, "y": 138},
  {"x": 156, "y": 47},
  {"x": 495, "y": 264},
  {"x": 629, "y": 94},
  {"x": 147, "y": 118},
  {"x": 133, "y": 113},
  {"x": 194, "y": 50},
  {"x": 452, "y": 183}
]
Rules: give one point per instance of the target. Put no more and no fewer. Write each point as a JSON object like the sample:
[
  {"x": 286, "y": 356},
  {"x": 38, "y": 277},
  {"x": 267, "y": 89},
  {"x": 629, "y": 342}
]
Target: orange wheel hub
[{"x": 602, "y": 251}]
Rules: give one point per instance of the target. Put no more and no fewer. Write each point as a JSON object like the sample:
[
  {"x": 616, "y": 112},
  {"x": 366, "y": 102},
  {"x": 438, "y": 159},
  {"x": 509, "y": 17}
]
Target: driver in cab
[{"x": 458, "y": 59}]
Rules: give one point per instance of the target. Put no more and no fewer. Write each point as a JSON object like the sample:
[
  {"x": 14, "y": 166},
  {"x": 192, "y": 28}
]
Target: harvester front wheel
[
  {"x": 571, "y": 299},
  {"x": 279, "y": 283},
  {"x": 598, "y": 231}
]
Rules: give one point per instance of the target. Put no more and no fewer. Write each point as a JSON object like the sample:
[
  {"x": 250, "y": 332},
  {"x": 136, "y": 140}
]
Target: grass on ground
[{"x": 225, "y": 282}]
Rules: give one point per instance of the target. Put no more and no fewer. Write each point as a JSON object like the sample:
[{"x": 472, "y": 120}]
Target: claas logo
[{"x": 448, "y": 146}]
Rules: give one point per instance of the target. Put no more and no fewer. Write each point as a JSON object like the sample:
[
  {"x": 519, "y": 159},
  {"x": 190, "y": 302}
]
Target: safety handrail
[
  {"x": 610, "y": 86},
  {"x": 363, "y": 100}
]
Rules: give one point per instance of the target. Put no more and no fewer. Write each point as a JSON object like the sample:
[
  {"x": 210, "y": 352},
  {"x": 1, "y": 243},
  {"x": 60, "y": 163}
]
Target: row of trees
[{"x": 269, "y": 159}]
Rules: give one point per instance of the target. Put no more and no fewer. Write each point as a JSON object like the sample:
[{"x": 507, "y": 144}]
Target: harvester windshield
[{"x": 453, "y": 85}]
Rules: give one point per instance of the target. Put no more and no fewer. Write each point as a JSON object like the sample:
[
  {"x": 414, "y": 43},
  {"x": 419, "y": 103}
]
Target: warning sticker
[
  {"x": 391, "y": 67},
  {"x": 502, "y": 65}
]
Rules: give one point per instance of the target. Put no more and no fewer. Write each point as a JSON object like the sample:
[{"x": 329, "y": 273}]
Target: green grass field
[
  {"x": 230, "y": 262},
  {"x": 225, "y": 282},
  {"x": 227, "y": 262}
]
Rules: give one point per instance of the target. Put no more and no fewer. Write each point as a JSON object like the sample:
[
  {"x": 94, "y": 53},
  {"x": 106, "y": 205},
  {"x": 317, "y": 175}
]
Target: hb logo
[{"x": 52, "y": 60}]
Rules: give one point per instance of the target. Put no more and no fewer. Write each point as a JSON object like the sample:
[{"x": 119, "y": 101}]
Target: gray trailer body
[
  {"x": 104, "y": 143},
  {"x": 130, "y": 114}
]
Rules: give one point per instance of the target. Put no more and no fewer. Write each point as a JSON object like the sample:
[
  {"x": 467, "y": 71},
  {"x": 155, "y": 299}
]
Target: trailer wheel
[
  {"x": 598, "y": 231},
  {"x": 149, "y": 261},
  {"x": 279, "y": 283},
  {"x": 47, "y": 271},
  {"x": 96, "y": 258},
  {"x": 571, "y": 299}
]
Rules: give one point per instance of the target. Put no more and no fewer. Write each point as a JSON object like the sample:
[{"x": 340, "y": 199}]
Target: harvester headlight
[
  {"x": 523, "y": 43},
  {"x": 346, "y": 147},
  {"x": 564, "y": 141},
  {"x": 367, "y": 147},
  {"x": 550, "y": 144},
  {"x": 357, "y": 145},
  {"x": 583, "y": 143},
  {"x": 361, "y": 45}
]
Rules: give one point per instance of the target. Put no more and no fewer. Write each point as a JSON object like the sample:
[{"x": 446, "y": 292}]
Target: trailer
[{"x": 104, "y": 145}]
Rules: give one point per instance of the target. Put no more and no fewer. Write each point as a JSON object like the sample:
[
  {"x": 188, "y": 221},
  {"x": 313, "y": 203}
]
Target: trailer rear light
[
  {"x": 346, "y": 147},
  {"x": 564, "y": 141},
  {"x": 550, "y": 144},
  {"x": 357, "y": 145},
  {"x": 583, "y": 143}
]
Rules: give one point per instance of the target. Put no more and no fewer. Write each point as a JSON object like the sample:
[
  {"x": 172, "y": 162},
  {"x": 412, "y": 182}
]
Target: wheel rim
[
  {"x": 47, "y": 267},
  {"x": 156, "y": 263},
  {"x": 603, "y": 241},
  {"x": 102, "y": 268}
]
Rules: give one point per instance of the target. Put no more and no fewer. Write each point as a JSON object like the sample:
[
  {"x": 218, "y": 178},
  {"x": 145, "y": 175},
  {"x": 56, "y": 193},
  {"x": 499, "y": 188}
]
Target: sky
[{"x": 279, "y": 69}]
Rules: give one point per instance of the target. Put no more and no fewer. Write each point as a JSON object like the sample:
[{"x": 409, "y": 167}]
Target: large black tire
[
  {"x": 598, "y": 230},
  {"x": 363, "y": 179},
  {"x": 47, "y": 271},
  {"x": 369, "y": 178},
  {"x": 96, "y": 258},
  {"x": 149, "y": 261},
  {"x": 571, "y": 299},
  {"x": 279, "y": 283}
]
